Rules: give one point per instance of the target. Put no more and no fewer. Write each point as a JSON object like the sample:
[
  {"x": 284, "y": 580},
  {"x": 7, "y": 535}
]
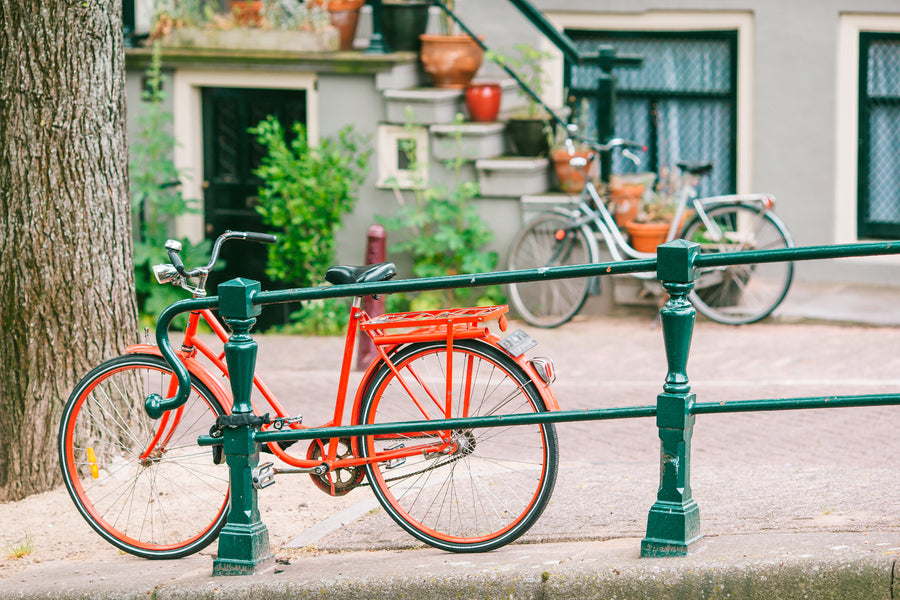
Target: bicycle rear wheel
[
  {"x": 144, "y": 485},
  {"x": 740, "y": 294},
  {"x": 493, "y": 483},
  {"x": 549, "y": 241}
]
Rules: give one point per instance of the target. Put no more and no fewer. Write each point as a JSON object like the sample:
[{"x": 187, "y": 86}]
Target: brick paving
[{"x": 803, "y": 470}]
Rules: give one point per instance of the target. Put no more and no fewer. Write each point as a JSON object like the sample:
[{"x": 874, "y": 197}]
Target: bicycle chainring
[{"x": 336, "y": 482}]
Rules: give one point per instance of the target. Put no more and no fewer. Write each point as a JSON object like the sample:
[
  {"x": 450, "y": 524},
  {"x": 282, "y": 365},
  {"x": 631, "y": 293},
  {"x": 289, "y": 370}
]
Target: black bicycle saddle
[
  {"x": 695, "y": 168},
  {"x": 344, "y": 274}
]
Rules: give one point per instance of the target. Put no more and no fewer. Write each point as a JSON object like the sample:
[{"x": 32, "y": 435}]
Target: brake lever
[{"x": 631, "y": 156}]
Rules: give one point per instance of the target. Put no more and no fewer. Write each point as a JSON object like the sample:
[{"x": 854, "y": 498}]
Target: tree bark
[{"x": 66, "y": 279}]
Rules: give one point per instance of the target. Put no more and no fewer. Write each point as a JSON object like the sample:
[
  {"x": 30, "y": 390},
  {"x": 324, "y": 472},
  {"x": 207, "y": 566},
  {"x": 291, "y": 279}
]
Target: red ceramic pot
[{"x": 483, "y": 101}]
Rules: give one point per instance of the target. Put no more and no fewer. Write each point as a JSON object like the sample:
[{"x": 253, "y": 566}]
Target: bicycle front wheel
[
  {"x": 549, "y": 241},
  {"x": 144, "y": 485},
  {"x": 740, "y": 294},
  {"x": 487, "y": 486}
]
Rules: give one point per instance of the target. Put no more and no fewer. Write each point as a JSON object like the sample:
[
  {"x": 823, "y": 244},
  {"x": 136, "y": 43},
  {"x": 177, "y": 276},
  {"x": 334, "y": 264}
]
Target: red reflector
[{"x": 560, "y": 235}]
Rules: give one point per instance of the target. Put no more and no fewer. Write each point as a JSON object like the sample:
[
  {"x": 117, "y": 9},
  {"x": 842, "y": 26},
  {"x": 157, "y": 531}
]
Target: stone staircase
[
  {"x": 512, "y": 188},
  {"x": 522, "y": 183}
]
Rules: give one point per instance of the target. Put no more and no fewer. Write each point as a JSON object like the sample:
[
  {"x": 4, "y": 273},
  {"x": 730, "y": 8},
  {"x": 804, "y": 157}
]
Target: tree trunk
[{"x": 66, "y": 280}]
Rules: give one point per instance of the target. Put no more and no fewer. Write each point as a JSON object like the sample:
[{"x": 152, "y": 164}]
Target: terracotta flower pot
[
  {"x": 247, "y": 13},
  {"x": 483, "y": 101},
  {"x": 626, "y": 199},
  {"x": 450, "y": 60},
  {"x": 645, "y": 237},
  {"x": 571, "y": 179},
  {"x": 345, "y": 16}
]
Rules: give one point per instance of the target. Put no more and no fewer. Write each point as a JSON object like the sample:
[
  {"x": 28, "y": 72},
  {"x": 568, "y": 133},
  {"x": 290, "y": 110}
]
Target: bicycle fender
[
  {"x": 758, "y": 200},
  {"x": 196, "y": 369},
  {"x": 523, "y": 361}
]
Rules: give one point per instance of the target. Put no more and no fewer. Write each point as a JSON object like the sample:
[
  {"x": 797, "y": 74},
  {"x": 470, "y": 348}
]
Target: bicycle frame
[
  {"x": 592, "y": 211},
  {"x": 429, "y": 325}
]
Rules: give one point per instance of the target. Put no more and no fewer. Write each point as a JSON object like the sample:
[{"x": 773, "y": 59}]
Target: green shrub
[
  {"x": 444, "y": 234},
  {"x": 306, "y": 192},
  {"x": 156, "y": 199}
]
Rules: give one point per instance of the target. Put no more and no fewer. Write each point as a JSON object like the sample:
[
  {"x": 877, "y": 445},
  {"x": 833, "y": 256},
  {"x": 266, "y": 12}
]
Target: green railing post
[
  {"x": 674, "y": 520},
  {"x": 244, "y": 542}
]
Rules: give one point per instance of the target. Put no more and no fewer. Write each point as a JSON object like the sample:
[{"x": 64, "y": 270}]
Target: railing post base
[
  {"x": 243, "y": 550},
  {"x": 244, "y": 541},
  {"x": 679, "y": 522}
]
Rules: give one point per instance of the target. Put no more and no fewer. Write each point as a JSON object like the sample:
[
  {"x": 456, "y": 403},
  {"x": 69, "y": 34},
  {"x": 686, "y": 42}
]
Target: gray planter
[
  {"x": 477, "y": 140},
  {"x": 513, "y": 176}
]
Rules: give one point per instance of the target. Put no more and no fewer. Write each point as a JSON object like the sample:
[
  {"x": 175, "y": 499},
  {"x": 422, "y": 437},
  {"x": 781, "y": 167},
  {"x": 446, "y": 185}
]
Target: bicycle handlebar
[
  {"x": 173, "y": 247},
  {"x": 154, "y": 404},
  {"x": 615, "y": 143}
]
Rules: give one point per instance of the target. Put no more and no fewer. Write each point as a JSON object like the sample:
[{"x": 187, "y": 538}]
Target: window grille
[
  {"x": 681, "y": 103},
  {"x": 879, "y": 132}
]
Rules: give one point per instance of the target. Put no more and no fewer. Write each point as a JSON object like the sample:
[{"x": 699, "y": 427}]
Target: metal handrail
[
  {"x": 156, "y": 405},
  {"x": 673, "y": 523}
]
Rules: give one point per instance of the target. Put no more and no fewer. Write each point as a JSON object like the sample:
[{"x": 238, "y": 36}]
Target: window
[
  {"x": 681, "y": 103},
  {"x": 878, "y": 193}
]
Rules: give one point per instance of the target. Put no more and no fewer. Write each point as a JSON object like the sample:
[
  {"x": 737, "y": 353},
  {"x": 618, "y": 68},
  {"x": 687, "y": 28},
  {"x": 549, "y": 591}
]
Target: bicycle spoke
[
  {"x": 493, "y": 483},
  {"x": 144, "y": 485}
]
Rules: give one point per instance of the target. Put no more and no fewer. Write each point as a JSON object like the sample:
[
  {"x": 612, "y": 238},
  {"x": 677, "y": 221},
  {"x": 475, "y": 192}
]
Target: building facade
[{"x": 799, "y": 99}]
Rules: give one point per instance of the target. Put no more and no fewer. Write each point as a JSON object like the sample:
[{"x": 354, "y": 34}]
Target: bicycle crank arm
[{"x": 318, "y": 470}]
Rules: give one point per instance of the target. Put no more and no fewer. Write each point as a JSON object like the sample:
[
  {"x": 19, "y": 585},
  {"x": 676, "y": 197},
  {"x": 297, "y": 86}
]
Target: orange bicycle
[{"x": 147, "y": 487}]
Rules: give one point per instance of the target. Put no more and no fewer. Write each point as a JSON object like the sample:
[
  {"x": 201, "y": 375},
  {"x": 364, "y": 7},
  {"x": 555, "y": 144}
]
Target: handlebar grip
[
  {"x": 262, "y": 238},
  {"x": 175, "y": 259}
]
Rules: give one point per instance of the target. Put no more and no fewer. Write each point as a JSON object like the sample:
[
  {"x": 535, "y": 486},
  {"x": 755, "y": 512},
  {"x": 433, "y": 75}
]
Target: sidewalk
[{"x": 795, "y": 504}]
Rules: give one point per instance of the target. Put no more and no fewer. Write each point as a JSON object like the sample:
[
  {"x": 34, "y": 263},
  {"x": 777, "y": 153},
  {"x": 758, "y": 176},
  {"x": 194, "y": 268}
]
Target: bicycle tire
[
  {"x": 549, "y": 303},
  {"x": 740, "y": 294},
  {"x": 168, "y": 504},
  {"x": 497, "y": 482}
]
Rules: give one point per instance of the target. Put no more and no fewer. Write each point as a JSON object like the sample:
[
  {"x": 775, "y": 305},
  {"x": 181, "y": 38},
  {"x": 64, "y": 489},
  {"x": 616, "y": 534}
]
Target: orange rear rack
[{"x": 429, "y": 325}]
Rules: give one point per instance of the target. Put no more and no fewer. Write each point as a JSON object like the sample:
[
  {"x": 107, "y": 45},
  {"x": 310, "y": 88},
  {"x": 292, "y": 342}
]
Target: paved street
[
  {"x": 793, "y": 500},
  {"x": 806, "y": 470}
]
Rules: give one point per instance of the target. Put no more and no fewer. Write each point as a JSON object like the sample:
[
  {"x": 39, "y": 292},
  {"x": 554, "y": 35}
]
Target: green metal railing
[{"x": 673, "y": 524}]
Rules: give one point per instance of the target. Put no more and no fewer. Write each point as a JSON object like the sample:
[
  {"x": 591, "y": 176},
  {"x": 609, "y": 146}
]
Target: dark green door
[{"x": 230, "y": 155}]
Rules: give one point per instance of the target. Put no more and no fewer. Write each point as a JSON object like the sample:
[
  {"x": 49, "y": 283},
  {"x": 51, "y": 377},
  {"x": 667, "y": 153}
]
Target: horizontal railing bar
[
  {"x": 574, "y": 271},
  {"x": 709, "y": 408},
  {"x": 599, "y": 414},
  {"x": 795, "y": 254},
  {"x": 457, "y": 281},
  {"x": 550, "y": 273}
]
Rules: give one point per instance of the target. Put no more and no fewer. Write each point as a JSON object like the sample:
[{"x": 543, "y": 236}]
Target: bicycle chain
[{"x": 419, "y": 472}]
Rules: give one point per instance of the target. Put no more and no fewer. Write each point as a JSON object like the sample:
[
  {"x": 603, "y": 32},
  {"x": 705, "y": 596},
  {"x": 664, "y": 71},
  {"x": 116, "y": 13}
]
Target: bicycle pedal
[
  {"x": 263, "y": 476},
  {"x": 395, "y": 462}
]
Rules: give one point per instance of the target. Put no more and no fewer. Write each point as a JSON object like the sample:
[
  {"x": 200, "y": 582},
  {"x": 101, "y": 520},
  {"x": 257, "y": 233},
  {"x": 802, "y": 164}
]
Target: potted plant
[
  {"x": 402, "y": 22},
  {"x": 483, "y": 100},
  {"x": 651, "y": 226},
  {"x": 450, "y": 59},
  {"x": 246, "y": 13},
  {"x": 572, "y": 175},
  {"x": 625, "y": 194},
  {"x": 528, "y": 127},
  {"x": 345, "y": 16}
]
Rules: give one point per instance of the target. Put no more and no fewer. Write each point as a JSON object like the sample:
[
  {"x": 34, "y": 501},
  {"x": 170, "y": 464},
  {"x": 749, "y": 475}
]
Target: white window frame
[
  {"x": 740, "y": 21},
  {"x": 389, "y": 171},
  {"x": 187, "y": 86},
  {"x": 846, "y": 195}
]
